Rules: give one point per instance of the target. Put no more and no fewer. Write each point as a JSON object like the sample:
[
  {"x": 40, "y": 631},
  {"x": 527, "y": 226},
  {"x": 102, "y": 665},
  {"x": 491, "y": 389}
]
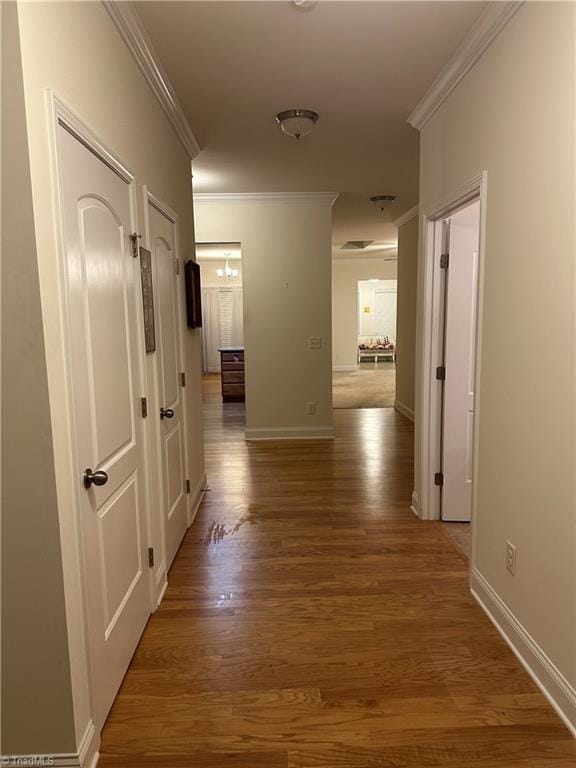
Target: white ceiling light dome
[{"x": 297, "y": 122}]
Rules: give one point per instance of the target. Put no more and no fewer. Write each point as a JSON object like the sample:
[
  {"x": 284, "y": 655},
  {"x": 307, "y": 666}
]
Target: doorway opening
[
  {"x": 372, "y": 384},
  {"x": 222, "y": 321},
  {"x": 450, "y": 362}
]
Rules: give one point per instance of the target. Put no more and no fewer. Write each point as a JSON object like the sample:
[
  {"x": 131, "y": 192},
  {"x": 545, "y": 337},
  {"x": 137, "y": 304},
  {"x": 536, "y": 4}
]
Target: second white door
[
  {"x": 459, "y": 358},
  {"x": 163, "y": 244}
]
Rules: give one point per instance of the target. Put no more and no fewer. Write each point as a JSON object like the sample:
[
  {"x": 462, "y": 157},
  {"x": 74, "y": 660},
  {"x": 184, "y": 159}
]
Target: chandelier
[{"x": 228, "y": 272}]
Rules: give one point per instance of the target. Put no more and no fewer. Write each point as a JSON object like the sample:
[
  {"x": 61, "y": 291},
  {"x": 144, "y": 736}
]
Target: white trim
[
  {"x": 140, "y": 46},
  {"x": 414, "y": 506},
  {"x": 555, "y": 687},
  {"x": 430, "y": 341},
  {"x": 404, "y": 410},
  {"x": 197, "y": 497},
  {"x": 265, "y": 197},
  {"x": 487, "y": 27},
  {"x": 344, "y": 368},
  {"x": 86, "y": 756},
  {"x": 382, "y": 257},
  {"x": 290, "y": 433},
  {"x": 406, "y": 217}
]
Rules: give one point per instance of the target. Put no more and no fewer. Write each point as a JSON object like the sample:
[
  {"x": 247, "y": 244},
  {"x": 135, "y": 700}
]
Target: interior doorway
[
  {"x": 222, "y": 320},
  {"x": 372, "y": 383},
  {"x": 452, "y": 277}
]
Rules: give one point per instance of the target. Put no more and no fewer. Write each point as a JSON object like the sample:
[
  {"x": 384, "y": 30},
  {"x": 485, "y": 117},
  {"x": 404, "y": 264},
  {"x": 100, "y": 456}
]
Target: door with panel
[
  {"x": 459, "y": 360},
  {"x": 104, "y": 362},
  {"x": 167, "y": 305}
]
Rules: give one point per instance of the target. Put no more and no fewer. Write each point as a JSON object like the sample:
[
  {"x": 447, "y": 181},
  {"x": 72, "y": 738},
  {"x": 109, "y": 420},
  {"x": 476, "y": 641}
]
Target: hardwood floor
[{"x": 311, "y": 621}]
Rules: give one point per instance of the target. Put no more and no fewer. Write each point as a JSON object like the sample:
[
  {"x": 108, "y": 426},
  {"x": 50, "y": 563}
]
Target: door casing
[{"x": 430, "y": 349}]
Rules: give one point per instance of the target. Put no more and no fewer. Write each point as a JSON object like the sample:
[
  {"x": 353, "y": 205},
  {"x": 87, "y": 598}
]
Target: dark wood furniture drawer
[
  {"x": 233, "y": 366},
  {"x": 232, "y": 357},
  {"x": 235, "y": 391},
  {"x": 232, "y": 377}
]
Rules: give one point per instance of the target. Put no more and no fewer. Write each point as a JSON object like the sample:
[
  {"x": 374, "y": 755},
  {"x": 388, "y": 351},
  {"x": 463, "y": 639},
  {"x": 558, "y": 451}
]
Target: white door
[
  {"x": 459, "y": 356},
  {"x": 385, "y": 311},
  {"x": 105, "y": 373},
  {"x": 172, "y": 424}
]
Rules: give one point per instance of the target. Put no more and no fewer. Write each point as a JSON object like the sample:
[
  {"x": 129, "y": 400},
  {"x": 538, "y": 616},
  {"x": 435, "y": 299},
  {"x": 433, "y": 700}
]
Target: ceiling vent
[{"x": 356, "y": 245}]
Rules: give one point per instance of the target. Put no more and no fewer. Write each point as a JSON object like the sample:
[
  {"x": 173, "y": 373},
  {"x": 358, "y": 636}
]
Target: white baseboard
[
  {"x": 290, "y": 433},
  {"x": 404, "y": 410},
  {"x": 196, "y": 498},
  {"x": 415, "y": 506},
  {"x": 342, "y": 368},
  {"x": 86, "y": 756},
  {"x": 559, "y": 692}
]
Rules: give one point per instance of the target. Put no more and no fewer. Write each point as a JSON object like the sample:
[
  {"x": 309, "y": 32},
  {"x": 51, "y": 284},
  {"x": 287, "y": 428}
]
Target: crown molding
[
  {"x": 140, "y": 46},
  {"x": 406, "y": 217},
  {"x": 266, "y": 197},
  {"x": 487, "y": 27}
]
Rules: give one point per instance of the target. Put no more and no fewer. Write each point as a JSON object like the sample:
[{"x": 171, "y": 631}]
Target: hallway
[{"x": 312, "y": 620}]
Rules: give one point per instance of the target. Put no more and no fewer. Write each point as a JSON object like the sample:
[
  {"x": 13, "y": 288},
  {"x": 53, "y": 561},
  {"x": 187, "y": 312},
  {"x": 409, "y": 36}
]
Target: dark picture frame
[
  {"x": 147, "y": 299},
  {"x": 193, "y": 294}
]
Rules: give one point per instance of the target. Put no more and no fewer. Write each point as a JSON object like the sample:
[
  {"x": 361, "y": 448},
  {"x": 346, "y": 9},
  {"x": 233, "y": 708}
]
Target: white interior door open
[
  {"x": 459, "y": 360},
  {"x": 163, "y": 244},
  {"x": 105, "y": 372}
]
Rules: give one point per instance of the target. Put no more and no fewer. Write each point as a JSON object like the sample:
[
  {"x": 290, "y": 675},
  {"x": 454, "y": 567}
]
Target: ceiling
[{"x": 362, "y": 65}]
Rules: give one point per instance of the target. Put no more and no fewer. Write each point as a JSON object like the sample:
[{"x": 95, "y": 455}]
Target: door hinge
[
  {"x": 182, "y": 379},
  {"x": 187, "y": 486},
  {"x": 439, "y": 478},
  {"x": 177, "y": 266},
  {"x": 444, "y": 260},
  {"x": 134, "y": 237},
  {"x": 144, "y": 407},
  {"x": 441, "y": 373},
  {"x": 151, "y": 557}
]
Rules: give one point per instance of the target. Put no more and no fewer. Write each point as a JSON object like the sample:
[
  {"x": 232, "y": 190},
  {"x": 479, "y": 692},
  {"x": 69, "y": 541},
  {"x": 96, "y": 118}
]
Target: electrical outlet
[
  {"x": 311, "y": 409},
  {"x": 315, "y": 342},
  {"x": 511, "y": 558}
]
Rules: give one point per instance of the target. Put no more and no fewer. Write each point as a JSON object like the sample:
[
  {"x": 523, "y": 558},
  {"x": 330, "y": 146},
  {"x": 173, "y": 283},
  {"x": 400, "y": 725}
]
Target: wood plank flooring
[{"x": 311, "y": 621}]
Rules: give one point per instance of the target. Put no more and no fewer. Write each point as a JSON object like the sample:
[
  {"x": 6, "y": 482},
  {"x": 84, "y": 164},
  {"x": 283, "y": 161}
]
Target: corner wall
[
  {"x": 75, "y": 50},
  {"x": 345, "y": 276},
  {"x": 286, "y": 262},
  {"x": 36, "y": 687},
  {"x": 406, "y": 314},
  {"x": 513, "y": 115}
]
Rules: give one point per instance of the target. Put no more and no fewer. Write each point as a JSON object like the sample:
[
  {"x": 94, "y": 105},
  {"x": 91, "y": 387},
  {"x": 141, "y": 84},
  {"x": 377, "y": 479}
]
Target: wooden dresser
[{"x": 232, "y": 367}]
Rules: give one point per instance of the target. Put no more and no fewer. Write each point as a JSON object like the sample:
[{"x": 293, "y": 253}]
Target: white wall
[
  {"x": 513, "y": 116},
  {"x": 75, "y": 50},
  {"x": 406, "y": 313},
  {"x": 286, "y": 257},
  {"x": 345, "y": 276}
]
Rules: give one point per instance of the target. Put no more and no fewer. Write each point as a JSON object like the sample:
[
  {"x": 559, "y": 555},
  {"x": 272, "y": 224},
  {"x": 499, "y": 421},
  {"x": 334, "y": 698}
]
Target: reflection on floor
[
  {"x": 460, "y": 536},
  {"x": 312, "y": 621},
  {"x": 373, "y": 385}
]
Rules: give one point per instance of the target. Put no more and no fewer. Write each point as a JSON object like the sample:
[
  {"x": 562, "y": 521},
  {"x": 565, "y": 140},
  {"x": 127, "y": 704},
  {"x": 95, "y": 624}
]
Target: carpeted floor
[{"x": 373, "y": 385}]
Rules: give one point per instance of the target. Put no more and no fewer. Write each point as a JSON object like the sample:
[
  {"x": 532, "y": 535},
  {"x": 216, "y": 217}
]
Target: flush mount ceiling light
[
  {"x": 297, "y": 122},
  {"x": 382, "y": 201}
]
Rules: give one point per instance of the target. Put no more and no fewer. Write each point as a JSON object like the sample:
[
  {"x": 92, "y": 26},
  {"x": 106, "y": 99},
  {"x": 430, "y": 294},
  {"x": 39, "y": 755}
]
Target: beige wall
[
  {"x": 75, "y": 50},
  {"x": 286, "y": 254},
  {"x": 513, "y": 116},
  {"x": 345, "y": 277},
  {"x": 209, "y": 278},
  {"x": 36, "y": 687},
  {"x": 406, "y": 313}
]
